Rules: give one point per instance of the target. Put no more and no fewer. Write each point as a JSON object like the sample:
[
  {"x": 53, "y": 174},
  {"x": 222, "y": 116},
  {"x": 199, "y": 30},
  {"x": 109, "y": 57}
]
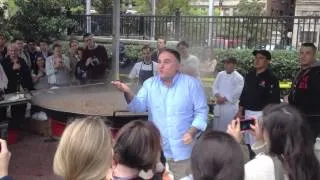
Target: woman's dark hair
[
  {"x": 36, "y": 68},
  {"x": 291, "y": 141},
  {"x": 138, "y": 145},
  {"x": 217, "y": 156}
]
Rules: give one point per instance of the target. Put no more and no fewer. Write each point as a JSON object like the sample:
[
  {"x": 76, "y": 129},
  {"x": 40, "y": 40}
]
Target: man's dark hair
[
  {"x": 164, "y": 39},
  {"x": 311, "y": 45},
  {"x": 17, "y": 39},
  {"x": 138, "y": 145},
  {"x": 232, "y": 60},
  {"x": 172, "y": 51},
  {"x": 44, "y": 41},
  {"x": 183, "y": 43},
  {"x": 73, "y": 41},
  {"x": 56, "y": 45},
  {"x": 87, "y": 35},
  {"x": 146, "y": 46}
]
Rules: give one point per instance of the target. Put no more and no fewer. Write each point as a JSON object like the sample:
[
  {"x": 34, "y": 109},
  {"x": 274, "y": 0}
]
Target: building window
[{"x": 308, "y": 36}]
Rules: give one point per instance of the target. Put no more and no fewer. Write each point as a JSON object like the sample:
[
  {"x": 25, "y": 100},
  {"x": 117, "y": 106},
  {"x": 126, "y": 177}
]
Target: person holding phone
[
  {"x": 227, "y": 89},
  {"x": 19, "y": 78},
  {"x": 176, "y": 104},
  {"x": 58, "y": 68},
  {"x": 283, "y": 146}
]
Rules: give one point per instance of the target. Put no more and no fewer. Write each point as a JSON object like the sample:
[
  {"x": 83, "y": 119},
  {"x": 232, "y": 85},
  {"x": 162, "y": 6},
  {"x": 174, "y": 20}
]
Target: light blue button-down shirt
[{"x": 173, "y": 110}]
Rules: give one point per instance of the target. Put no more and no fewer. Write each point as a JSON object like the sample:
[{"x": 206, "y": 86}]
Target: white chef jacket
[{"x": 229, "y": 86}]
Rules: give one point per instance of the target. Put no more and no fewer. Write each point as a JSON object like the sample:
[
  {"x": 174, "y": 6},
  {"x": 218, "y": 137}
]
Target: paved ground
[{"x": 32, "y": 159}]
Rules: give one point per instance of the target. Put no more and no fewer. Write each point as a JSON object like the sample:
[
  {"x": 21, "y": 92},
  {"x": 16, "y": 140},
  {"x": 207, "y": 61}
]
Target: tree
[
  {"x": 42, "y": 19},
  {"x": 250, "y": 8},
  {"x": 164, "y": 7},
  {"x": 103, "y": 6}
]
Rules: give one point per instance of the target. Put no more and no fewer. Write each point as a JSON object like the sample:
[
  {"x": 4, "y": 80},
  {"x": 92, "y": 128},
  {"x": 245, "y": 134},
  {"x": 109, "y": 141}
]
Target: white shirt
[
  {"x": 192, "y": 62},
  {"x": 260, "y": 168},
  {"x": 3, "y": 79},
  {"x": 228, "y": 85},
  {"x": 58, "y": 76},
  {"x": 142, "y": 66}
]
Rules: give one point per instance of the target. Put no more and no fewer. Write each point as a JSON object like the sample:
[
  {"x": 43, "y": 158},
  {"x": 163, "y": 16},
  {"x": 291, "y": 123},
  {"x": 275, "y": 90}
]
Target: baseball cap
[{"x": 265, "y": 53}]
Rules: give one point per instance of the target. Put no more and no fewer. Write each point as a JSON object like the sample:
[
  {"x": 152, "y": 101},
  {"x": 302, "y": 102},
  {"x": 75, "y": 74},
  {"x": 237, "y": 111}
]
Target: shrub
[{"x": 284, "y": 64}]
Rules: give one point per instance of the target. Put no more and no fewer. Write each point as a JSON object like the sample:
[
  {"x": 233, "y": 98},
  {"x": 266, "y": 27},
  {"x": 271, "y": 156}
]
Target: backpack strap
[{"x": 278, "y": 168}]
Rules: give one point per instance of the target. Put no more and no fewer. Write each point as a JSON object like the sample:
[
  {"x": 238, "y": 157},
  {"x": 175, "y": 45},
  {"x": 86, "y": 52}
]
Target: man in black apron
[
  {"x": 144, "y": 69},
  {"x": 145, "y": 74}
]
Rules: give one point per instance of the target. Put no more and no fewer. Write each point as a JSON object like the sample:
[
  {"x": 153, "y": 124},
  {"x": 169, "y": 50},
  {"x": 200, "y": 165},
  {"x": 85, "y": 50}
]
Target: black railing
[{"x": 226, "y": 31}]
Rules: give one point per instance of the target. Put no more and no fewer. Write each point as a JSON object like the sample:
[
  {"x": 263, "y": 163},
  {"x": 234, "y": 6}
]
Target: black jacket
[
  {"x": 98, "y": 69},
  {"x": 259, "y": 90},
  {"x": 305, "y": 91},
  {"x": 23, "y": 76}
]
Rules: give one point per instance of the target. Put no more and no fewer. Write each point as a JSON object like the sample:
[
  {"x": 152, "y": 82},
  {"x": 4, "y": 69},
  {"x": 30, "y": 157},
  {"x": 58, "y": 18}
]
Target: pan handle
[{"x": 114, "y": 114}]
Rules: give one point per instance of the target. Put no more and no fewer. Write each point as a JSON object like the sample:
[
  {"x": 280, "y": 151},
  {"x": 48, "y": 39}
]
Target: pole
[
  {"x": 88, "y": 13},
  {"x": 210, "y": 13},
  {"x": 153, "y": 23},
  {"x": 115, "y": 39}
]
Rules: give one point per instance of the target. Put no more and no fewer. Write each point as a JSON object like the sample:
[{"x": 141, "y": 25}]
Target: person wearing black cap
[
  {"x": 261, "y": 88},
  {"x": 305, "y": 91},
  {"x": 227, "y": 89}
]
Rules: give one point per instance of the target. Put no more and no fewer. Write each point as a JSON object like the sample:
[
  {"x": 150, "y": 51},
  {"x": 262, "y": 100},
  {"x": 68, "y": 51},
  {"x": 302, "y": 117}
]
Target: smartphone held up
[{"x": 246, "y": 124}]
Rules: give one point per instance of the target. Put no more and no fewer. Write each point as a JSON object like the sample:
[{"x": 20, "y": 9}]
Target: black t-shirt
[{"x": 259, "y": 90}]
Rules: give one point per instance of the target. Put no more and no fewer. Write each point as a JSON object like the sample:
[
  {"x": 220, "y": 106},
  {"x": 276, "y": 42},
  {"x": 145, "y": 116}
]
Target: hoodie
[{"x": 305, "y": 91}]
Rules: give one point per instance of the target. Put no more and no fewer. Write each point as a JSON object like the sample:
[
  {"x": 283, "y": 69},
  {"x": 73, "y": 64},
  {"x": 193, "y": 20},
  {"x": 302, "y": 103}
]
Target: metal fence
[{"x": 223, "y": 31}]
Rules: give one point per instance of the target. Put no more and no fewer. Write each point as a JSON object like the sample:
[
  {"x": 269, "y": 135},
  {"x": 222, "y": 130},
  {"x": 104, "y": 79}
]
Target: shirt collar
[{"x": 174, "y": 80}]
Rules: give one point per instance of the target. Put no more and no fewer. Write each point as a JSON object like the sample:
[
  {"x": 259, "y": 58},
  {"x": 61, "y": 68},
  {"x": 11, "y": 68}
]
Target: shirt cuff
[
  {"x": 199, "y": 124},
  {"x": 133, "y": 104},
  {"x": 259, "y": 147}
]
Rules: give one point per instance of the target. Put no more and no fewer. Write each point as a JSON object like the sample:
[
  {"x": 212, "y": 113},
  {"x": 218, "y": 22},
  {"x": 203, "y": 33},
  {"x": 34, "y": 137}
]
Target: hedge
[{"x": 284, "y": 64}]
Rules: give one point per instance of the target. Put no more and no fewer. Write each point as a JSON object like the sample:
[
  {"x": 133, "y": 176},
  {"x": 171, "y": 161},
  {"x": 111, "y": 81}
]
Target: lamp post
[
  {"x": 153, "y": 23},
  {"x": 88, "y": 13},
  {"x": 115, "y": 39},
  {"x": 211, "y": 17}
]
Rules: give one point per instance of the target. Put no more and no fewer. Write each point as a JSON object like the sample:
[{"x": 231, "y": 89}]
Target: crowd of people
[
  {"x": 278, "y": 145},
  {"x": 27, "y": 65},
  {"x": 280, "y": 140}
]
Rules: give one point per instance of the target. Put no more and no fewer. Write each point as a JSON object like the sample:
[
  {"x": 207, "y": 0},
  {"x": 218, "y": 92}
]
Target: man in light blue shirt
[{"x": 176, "y": 104}]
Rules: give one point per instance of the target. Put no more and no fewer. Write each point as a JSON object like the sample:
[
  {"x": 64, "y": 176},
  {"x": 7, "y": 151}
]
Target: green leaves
[
  {"x": 284, "y": 64},
  {"x": 103, "y": 6},
  {"x": 250, "y": 8},
  {"x": 41, "y": 19},
  {"x": 165, "y": 7}
]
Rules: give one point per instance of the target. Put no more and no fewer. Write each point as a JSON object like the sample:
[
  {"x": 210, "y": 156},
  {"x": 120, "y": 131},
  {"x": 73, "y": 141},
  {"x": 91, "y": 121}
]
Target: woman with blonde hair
[{"x": 84, "y": 151}]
